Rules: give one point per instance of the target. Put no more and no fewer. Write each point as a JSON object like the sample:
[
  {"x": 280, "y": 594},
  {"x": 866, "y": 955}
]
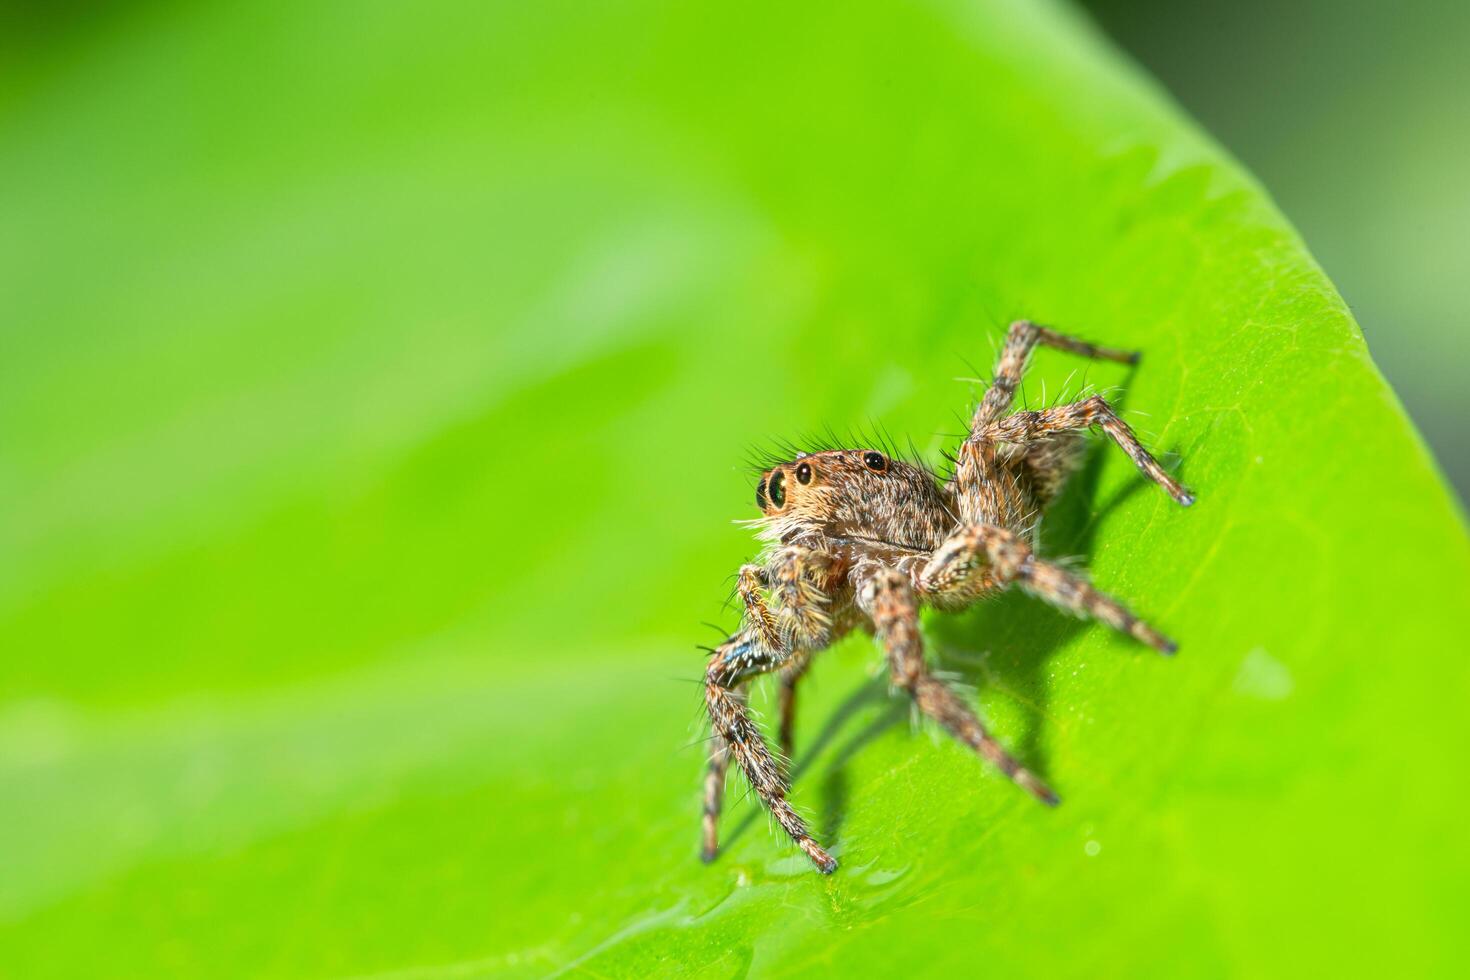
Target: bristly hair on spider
[
  {"x": 774, "y": 452},
  {"x": 865, "y": 537}
]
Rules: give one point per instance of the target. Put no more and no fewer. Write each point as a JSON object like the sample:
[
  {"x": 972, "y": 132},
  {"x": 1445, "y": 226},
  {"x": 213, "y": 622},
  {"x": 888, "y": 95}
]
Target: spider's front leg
[
  {"x": 758, "y": 615},
  {"x": 890, "y": 601},
  {"x": 800, "y": 622},
  {"x": 781, "y": 638},
  {"x": 1001, "y": 557},
  {"x": 734, "y": 662}
]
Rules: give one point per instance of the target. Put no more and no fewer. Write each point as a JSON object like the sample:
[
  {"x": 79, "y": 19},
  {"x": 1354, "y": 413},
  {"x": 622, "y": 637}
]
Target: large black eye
[
  {"x": 760, "y": 494},
  {"x": 776, "y": 488},
  {"x": 804, "y": 473},
  {"x": 875, "y": 461}
]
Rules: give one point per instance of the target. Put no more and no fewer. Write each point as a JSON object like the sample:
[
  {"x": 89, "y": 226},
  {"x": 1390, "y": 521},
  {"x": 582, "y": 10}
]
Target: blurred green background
[{"x": 375, "y": 386}]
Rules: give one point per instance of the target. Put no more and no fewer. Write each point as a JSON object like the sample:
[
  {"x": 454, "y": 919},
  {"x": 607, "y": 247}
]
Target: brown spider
[{"x": 857, "y": 538}]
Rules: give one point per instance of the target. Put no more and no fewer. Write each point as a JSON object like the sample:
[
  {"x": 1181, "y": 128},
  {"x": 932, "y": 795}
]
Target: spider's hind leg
[
  {"x": 1021, "y": 339},
  {"x": 1028, "y": 428}
]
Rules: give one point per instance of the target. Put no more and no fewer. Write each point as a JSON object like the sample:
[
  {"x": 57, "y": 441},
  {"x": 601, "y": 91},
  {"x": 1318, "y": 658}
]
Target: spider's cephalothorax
[
  {"x": 856, "y": 538},
  {"x": 858, "y": 495}
]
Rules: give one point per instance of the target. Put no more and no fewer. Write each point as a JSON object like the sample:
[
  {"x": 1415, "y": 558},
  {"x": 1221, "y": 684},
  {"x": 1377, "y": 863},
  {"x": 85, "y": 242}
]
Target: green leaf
[{"x": 376, "y": 383}]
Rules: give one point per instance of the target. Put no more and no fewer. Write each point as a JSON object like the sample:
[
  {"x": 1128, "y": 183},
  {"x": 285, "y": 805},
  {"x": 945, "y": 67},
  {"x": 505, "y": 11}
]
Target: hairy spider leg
[
  {"x": 889, "y": 598},
  {"x": 1005, "y": 557},
  {"x": 795, "y": 575},
  {"x": 1021, "y": 339},
  {"x": 737, "y": 660},
  {"x": 799, "y": 624},
  {"x": 1095, "y": 412},
  {"x": 758, "y": 615}
]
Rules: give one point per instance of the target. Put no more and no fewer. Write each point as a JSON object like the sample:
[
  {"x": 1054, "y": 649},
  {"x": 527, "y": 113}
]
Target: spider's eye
[
  {"x": 760, "y": 494},
  {"x": 875, "y": 461},
  {"x": 804, "y": 473},
  {"x": 776, "y": 488}
]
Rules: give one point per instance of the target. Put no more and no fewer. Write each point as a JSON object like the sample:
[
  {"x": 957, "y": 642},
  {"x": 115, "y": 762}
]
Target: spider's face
[
  {"x": 856, "y": 493},
  {"x": 809, "y": 485}
]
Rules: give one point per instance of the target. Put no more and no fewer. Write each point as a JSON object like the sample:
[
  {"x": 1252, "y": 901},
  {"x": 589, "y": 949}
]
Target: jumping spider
[{"x": 857, "y": 538}]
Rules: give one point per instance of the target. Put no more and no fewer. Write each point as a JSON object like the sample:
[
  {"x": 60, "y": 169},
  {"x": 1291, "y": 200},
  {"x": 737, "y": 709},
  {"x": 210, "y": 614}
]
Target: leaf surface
[{"x": 376, "y": 386}]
